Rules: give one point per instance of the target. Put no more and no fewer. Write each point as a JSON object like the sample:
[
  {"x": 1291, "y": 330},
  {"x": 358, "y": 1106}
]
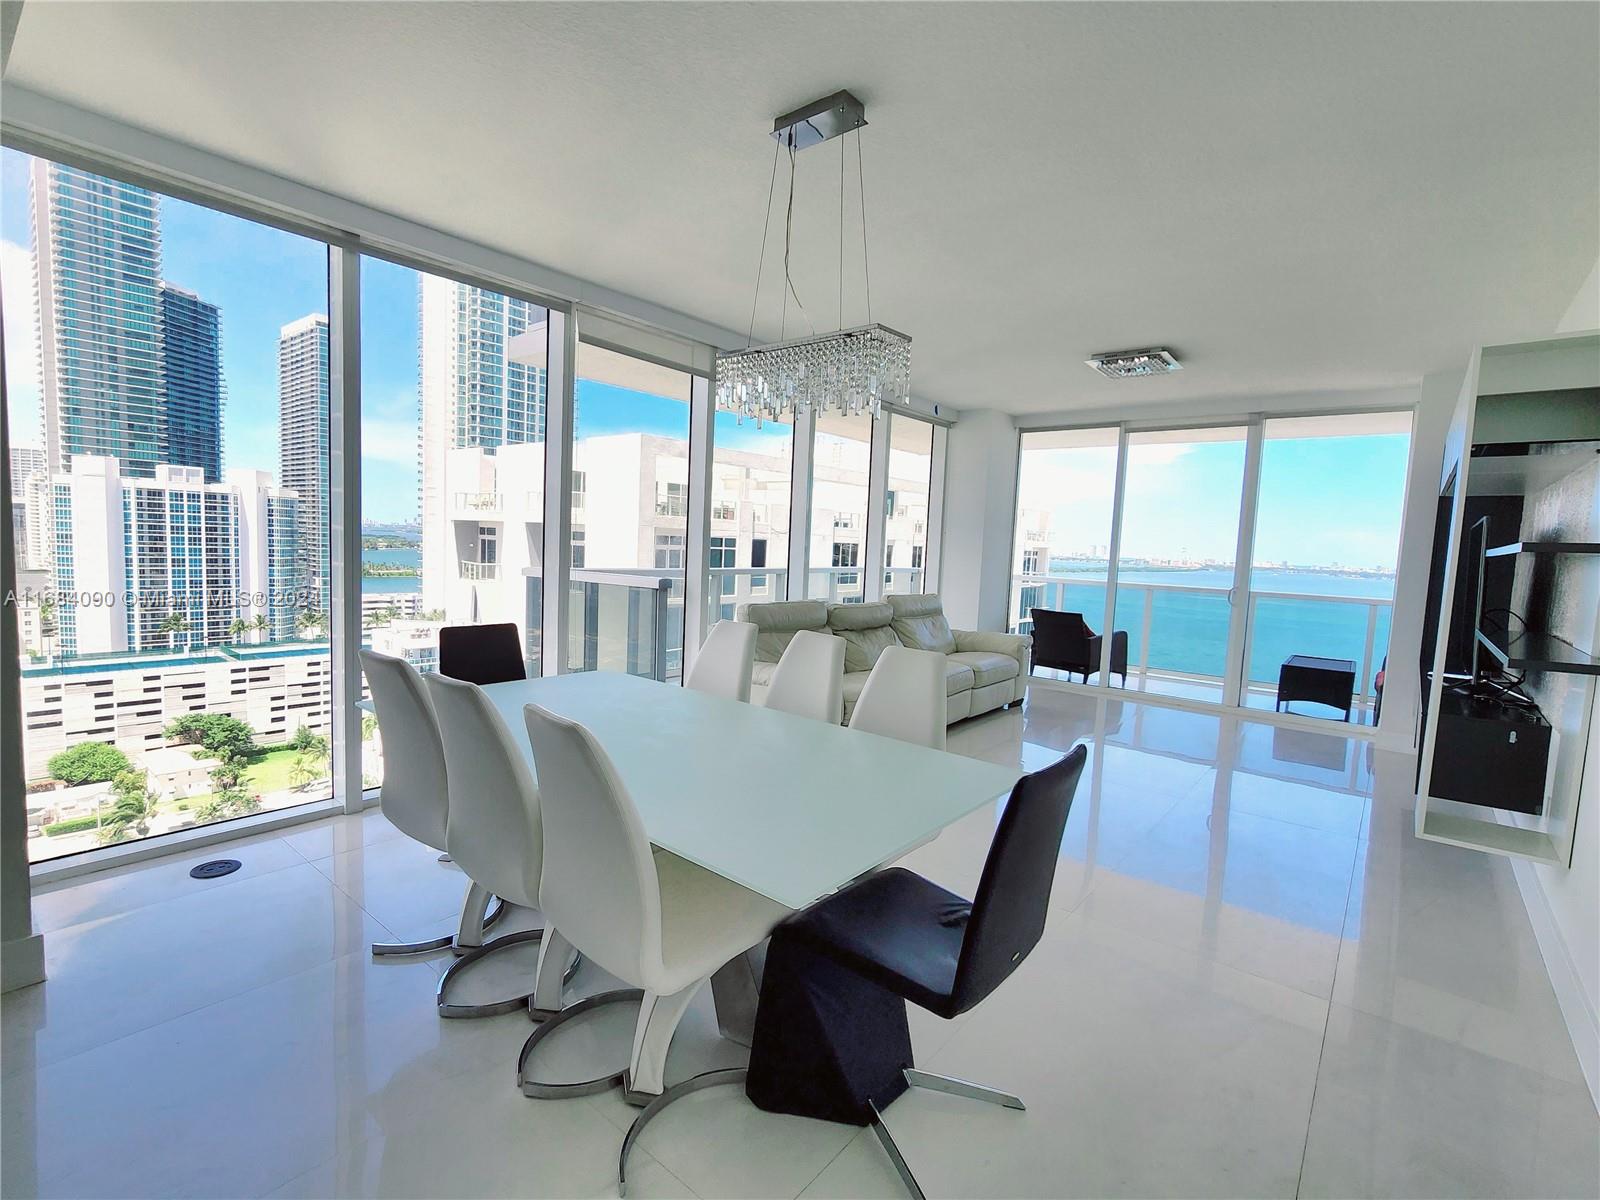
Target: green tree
[
  {"x": 221, "y": 735},
  {"x": 225, "y": 776},
  {"x": 225, "y": 804},
  {"x": 311, "y": 620},
  {"x": 89, "y": 762},
  {"x": 260, "y": 625},
  {"x": 369, "y": 726},
  {"x": 172, "y": 625},
  {"x": 238, "y": 628},
  {"x": 130, "y": 813}
]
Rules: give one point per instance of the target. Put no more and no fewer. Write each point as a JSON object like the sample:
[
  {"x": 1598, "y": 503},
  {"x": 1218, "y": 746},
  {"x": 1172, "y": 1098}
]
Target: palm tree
[
  {"x": 260, "y": 626},
  {"x": 239, "y": 628},
  {"x": 174, "y": 624}
]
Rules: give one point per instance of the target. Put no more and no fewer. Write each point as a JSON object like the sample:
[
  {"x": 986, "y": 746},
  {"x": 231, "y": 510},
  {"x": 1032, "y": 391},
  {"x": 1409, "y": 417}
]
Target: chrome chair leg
[
  {"x": 960, "y": 1087},
  {"x": 533, "y": 1088},
  {"x": 886, "y": 1140},
  {"x": 676, "y": 1092},
  {"x": 494, "y": 1007},
  {"x": 394, "y": 949}
]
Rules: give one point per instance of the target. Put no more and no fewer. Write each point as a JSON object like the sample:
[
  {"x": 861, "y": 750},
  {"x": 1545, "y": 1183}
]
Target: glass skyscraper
[
  {"x": 191, "y": 359},
  {"x": 131, "y": 366},
  {"x": 98, "y": 247},
  {"x": 303, "y": 445}
]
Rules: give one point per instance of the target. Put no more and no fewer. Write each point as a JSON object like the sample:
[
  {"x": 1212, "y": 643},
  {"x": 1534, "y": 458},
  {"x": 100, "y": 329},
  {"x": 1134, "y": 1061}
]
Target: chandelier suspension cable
[
  {"x": 866, "y": 266},
  {"x": 766, "y": 224},
  {"x": 859, "y": 369},
  {"x": 788, "y": 238},
  {"x": 841, "y": 233}
]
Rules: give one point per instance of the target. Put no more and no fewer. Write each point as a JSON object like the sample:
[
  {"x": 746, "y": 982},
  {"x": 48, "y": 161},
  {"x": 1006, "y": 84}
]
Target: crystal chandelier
[{"x": 848, "y": 371}]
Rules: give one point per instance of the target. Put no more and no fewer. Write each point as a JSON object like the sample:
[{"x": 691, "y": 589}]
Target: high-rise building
[
  {"x": 169, "y": 562},
  {"x": 27, "y": 463},
  {"x": 191, "y": 360},
  {"x": 475, "y": 395},
  {"x": 303, "y": 446},
  {"x": 97, "y": 247}
]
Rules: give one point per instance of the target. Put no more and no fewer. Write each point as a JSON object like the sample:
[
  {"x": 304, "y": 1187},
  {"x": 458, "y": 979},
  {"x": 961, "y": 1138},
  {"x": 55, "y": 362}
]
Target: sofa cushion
[
  {"x": 919, "y": 623},
  {"x": 866, "y": 631},
  {"x": 776, "y": 624},
  {"x": 958, "y": 676},
  {"x": 761, "y": 673},
  {"x": 987, "y": 666}
]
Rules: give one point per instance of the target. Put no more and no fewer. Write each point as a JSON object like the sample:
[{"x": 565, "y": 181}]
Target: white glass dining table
[{"x": 786, "y": 806}]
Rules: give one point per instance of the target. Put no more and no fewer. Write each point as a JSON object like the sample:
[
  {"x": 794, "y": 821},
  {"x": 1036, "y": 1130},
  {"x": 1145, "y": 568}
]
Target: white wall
[
  {"x": 1584, "y": 311},
  {"x": 979, "y": 499},
  {"x": 1564, "y": 904}
]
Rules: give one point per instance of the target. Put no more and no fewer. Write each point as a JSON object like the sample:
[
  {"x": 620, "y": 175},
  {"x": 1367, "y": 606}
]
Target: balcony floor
[{"x": 1255, "y": 982}]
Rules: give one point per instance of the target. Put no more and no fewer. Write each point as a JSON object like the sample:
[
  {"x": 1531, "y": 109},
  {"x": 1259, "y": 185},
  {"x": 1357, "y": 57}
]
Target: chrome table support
[
  {"x": 676, "y": 1092},
  {"x": 585, "y": 1087}
]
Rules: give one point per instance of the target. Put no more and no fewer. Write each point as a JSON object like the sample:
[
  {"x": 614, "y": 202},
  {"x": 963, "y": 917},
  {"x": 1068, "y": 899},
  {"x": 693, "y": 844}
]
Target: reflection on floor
[
  {"x": 1258, "y": 696},
  {"x": 1255, "y": 982}
]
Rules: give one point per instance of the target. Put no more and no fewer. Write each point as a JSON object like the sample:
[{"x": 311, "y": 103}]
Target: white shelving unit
[{"x": 1540, "y": 392}]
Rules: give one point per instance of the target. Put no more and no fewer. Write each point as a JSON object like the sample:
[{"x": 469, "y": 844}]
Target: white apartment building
[{"x": 165, "y": 562}]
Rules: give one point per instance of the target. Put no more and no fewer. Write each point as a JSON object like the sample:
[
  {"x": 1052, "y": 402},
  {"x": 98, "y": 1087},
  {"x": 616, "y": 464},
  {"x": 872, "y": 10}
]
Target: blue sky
[{"x": 1323, "y": 500}]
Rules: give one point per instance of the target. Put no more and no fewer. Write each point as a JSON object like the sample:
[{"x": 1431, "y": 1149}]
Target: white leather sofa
[{"x": 983, "y": 672}]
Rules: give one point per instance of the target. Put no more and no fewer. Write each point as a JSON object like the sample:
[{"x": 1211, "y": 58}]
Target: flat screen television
[{"x": 1469, "y": 611}]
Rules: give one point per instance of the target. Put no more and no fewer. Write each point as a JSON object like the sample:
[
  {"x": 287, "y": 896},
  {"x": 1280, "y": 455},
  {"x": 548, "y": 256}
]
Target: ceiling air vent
[{"x": 1131, "y": 364}]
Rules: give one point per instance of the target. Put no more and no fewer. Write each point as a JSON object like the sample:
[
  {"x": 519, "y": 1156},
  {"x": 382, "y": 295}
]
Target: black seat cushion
[{"x": 895, "y": 928}]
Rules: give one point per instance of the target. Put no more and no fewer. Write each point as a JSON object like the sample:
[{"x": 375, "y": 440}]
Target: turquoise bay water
[
  {"x": 394, "y": 584},
  {"x": 1189, "y": 631}
]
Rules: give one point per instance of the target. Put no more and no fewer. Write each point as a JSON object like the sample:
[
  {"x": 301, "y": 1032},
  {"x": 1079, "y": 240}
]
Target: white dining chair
[
  {"x": 660, "y": 924},
  {"x": 726, "y": 658},
  {"x": 904, "y": 697},
  {"x": 414, "y": 797},
  {"x": 494, "y": 833},
  {"x": 809, "y": 678}
]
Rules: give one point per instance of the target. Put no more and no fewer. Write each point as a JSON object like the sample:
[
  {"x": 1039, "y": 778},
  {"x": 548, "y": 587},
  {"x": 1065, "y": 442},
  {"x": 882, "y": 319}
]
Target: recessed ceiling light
[{"x": 1131, "y": 364}]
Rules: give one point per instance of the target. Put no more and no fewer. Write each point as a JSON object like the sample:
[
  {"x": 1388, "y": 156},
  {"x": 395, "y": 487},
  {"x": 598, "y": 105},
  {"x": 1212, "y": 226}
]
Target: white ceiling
[{"x": 1295, "y": 197}]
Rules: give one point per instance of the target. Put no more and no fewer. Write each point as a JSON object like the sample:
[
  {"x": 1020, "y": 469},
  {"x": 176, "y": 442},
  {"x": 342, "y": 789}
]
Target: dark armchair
[{"x": 1064, "y": 641}]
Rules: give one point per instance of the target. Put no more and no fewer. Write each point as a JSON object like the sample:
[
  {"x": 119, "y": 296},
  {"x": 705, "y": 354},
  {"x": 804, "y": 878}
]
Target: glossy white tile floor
[{"x": 1255, "y": 982}]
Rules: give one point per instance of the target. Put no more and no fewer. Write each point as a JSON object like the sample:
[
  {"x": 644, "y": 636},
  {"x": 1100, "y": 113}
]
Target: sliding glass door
[
  {"x": 1326, "y": 543},
  {"x": 1177, "y": 555},
  {"x": 1252, "y": 563}
]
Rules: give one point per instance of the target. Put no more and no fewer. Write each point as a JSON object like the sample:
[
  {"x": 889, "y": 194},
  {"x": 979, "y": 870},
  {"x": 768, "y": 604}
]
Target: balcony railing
[
  {"x": 627, "y": 619},
  {"x": 478, "y": 501},
  {"x": 1178, "y": 634},
  {"x": 479, "y": 570}
]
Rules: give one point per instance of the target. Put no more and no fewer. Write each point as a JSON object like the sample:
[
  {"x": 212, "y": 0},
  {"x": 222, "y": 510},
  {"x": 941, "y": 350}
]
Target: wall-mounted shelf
[
  {"x": 1540, "y": 652},
  {"x": 1544, "y": 548}
]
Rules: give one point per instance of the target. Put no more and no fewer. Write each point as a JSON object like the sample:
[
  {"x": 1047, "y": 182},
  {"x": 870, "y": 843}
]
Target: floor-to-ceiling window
[
  {"x": 747, "y": 559},
  {"x": 906, "y": 504},
  {"x": 841, "y": 463},
  {"x": 1066, "y": 484},
  {"x": 1326, "y": 542},
  {"x": 167, "y": 386},
  {"x": 454, "y": 398},
  {"x": 1316, "y": 503},
  {"x": 1180, "y": 532},
  {"x": 631, "y": 448}
]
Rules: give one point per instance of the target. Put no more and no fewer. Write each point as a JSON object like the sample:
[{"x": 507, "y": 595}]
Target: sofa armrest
[{"x": 1018, "y": 645}]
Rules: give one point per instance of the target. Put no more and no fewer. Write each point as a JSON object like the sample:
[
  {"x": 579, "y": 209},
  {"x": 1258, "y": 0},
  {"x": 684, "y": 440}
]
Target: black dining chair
[
  {"x": 831, "y": 1038},
  {"x": 481, "y": 654}
]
